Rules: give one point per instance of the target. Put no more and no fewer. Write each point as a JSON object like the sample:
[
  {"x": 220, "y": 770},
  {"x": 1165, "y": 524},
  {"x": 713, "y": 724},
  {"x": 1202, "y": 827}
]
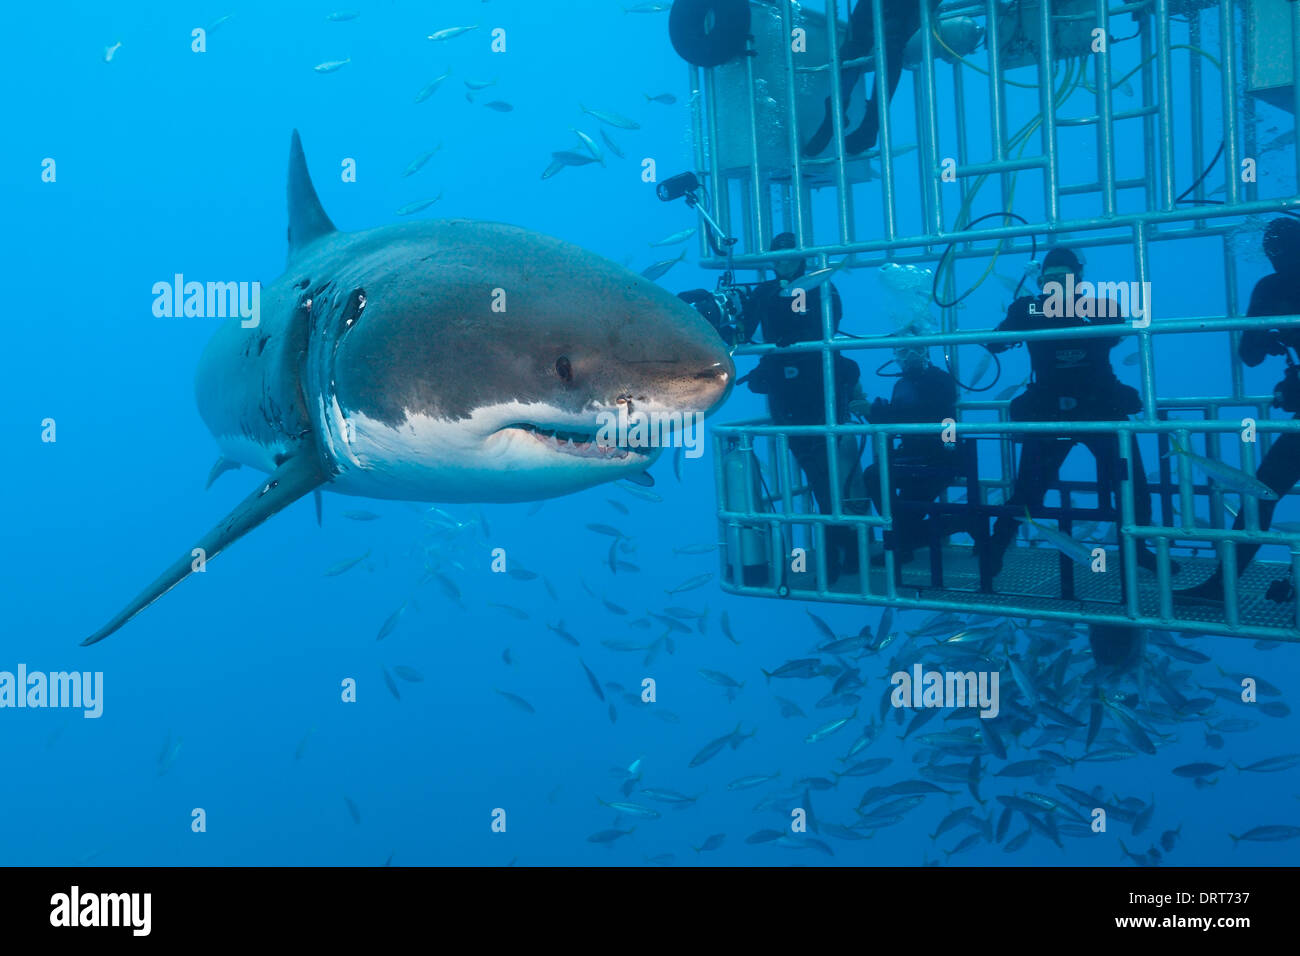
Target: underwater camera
[
  {"x": 721, "y": 308},
  {"x": 1286, "y": 393}
]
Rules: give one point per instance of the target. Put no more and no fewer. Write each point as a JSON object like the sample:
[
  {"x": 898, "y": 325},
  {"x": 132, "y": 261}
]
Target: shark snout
[
  {"x": 710, "y": 385},
  {"x": 694, "y": 387}
]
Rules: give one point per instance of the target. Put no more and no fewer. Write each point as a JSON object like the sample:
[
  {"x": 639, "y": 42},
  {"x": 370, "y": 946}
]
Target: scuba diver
[
  {"x": 793, "y": 386},
  {"x": 921, "y": 466},
  {"x": 902, "y": 19},
  {"x": 1116, "y": 650},
  {"x": 1072, "y": 381},
  {"x": 1276, "y": 294}
]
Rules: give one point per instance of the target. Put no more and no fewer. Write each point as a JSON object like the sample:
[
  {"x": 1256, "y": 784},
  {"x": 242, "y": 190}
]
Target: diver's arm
[
  {"x": 1257, "y": 344},
  {"x": 1015, "y": 321},
  {"x": 1109, "y": 314},
  {"x": 752, "y": 313}
]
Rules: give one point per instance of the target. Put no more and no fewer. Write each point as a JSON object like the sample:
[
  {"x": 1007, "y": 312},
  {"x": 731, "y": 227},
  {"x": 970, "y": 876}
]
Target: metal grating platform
[{"x": 1029, "y": 587}]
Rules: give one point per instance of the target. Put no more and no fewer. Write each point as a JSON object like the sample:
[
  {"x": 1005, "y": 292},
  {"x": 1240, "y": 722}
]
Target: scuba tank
[{"x": 747, "y": 545}]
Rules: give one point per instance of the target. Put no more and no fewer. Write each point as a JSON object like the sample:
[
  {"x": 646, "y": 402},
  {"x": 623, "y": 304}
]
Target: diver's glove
[
  {"x": 879, "y": 413},
  {"x": 1275, "y": 344}
]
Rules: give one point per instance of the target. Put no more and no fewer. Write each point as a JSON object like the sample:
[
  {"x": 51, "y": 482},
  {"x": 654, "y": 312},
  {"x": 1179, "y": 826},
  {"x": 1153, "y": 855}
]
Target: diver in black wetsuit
[
  {"x": 920, "y": 466},
  {"x": 1275, "y": 294},
  {"x": 793, "y": 386},
  {"x": 902, "y": 19},
  {"x": 1072, "y": 381}
]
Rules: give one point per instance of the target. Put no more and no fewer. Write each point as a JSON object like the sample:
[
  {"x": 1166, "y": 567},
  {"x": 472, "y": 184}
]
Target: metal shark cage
[{"x": 750, "y": 116}]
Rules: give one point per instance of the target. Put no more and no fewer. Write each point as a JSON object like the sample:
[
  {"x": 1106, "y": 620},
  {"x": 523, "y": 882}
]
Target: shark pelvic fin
[{"x": 222, "y": 466}]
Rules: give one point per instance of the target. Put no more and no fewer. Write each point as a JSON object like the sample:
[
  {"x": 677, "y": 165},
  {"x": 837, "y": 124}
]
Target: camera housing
[
  {"x": 1286, "y": 393},
  {"x": 723, "y": 309}
]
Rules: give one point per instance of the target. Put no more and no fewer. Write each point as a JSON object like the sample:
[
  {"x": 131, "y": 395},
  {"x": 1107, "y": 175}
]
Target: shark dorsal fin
[{"x": 307, "y": 219}]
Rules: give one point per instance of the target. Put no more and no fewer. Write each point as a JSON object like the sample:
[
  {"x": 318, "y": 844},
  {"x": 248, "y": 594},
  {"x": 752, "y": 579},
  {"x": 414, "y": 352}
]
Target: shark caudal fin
[
  {"x": 293, "y": 479},
  {"x": 307, "y": 219}
]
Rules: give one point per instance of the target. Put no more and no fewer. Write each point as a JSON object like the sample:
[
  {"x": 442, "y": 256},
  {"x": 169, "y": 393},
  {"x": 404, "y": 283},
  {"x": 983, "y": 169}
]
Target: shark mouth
[{"x": 578, "y": 443}]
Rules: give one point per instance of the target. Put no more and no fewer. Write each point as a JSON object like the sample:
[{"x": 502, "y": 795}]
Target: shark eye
[{"x": 564, "y": 369}]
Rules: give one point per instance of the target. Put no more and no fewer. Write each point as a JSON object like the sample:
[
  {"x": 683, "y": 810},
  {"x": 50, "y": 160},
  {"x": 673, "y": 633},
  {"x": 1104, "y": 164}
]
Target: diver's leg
[
  {"x": 871, "y": 479},
  {"x": 1105, "y": 448},
  {"x": 926, "y": 489},
  {"x": 860, "y": 41},
  {"x": 864, "y": 137},
  {"x": 1040, "y": 463},
  {"x": 848, "y": 80},
  {"x": 897, "y": 32},
  {"x": 810, "y": 453},
  {"x": 853, "y": 501},
  {"x": 1280, "y": 470}
]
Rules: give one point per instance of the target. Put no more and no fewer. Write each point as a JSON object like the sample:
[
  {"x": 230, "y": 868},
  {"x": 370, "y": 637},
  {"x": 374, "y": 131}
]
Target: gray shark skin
[{"x": 437, "y": 361}]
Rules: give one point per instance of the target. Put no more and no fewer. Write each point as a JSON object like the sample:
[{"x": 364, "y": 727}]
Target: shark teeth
[{"x": 577, "y": 443}]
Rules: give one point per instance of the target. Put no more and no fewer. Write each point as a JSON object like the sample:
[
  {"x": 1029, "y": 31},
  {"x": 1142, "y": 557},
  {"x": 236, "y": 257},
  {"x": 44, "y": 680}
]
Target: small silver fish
[
  {"x": 390, "y": 683},
  {"x": 499, "y": 106},
  {"x": 675, "y": 238},
  {"x": 347, "y": 565},
  {"x": 636, "y": 491},
  {"x": 408, "y": 674},
  {"x": 451, "y": 32},
  {"x": 111, "y": 51},
  {"x": 590, "y": 144},
  {"x": 418, "y": 205},
  {"x": 415, "y": 165},
  {"x": 570, "y": 158},
  {"x": 517, "y": 701},
  {"x": 611, "y": 119},
  {"x": 341, "y": 16},
  {"x": 329, "y": 66},
  {"x": 690, "y": 584},
  {"x": 1077, "y": 551},
  {"x": 666, "y": 98},
  {"x": 696, "y": 549},
  {"x": 1226, "y": 475},
  {"x": 390, "y": 625},
  {"x": 429, "y": 90},
  {"x": 479, "y": 84},
  {"x": 659, "y": 269},
  {"x": 613, "y": 146}
]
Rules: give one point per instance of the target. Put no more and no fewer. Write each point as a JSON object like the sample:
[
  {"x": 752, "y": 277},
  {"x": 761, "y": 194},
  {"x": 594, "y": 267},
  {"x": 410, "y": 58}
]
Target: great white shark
[{"x": 438, "y": 361}]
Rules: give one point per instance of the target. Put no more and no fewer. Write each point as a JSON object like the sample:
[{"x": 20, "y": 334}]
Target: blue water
[{"x": 226, "y": 695}]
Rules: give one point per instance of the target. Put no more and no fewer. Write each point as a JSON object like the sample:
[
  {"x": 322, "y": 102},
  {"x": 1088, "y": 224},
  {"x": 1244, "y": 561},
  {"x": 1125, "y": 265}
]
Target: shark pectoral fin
[
  {"x": 642, "y": 478},
  {"x": 293, "y": 479},
  {"x": 222, "y": 466}
]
